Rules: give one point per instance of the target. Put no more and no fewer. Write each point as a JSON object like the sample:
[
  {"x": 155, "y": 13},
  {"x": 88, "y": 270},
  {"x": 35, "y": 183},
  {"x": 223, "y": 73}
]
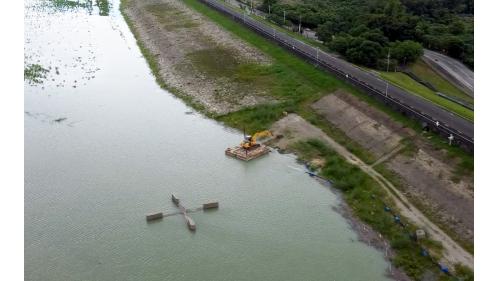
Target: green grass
[
  {"x": 170, "y": 17},
  {"x": 367, "y": 200},
  {"x": 425, "y": 72},
  {"x": 295, "y": 84},
  {"x": 298, "y": 84},
  {"x": 404, "y": 81}
]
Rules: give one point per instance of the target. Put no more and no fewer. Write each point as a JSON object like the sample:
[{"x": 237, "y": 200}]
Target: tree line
[{"x": 366, "y": 31}]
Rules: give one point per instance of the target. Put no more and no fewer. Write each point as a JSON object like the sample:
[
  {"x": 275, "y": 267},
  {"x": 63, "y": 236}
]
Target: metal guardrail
[{"x": 315, "y": 55}]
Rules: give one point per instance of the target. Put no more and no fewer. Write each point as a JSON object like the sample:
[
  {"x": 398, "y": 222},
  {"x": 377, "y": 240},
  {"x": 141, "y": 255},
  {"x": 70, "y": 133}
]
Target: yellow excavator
[{"x": 250, "y": 142}]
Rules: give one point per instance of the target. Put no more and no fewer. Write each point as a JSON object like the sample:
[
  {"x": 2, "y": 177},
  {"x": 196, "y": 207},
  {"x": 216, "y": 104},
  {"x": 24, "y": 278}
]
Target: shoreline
[
  {"x": 364, "y": 232},
  {"x": 369, "y": 236}
]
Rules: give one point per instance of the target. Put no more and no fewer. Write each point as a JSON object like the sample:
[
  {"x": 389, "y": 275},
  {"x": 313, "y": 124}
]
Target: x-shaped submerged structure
[{"x": 189, "y": 221}]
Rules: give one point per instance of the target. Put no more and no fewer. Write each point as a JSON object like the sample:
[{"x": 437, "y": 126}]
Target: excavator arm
[{"x": 252, "y": 141}]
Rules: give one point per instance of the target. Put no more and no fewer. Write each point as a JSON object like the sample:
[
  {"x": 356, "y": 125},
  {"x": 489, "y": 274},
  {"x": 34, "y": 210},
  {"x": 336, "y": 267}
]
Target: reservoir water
[{"x": 104, "y": 145}]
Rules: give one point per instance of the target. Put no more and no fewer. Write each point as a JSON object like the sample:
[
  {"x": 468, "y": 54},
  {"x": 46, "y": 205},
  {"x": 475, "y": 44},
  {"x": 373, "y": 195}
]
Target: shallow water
[{"x": 121, "y": 146}]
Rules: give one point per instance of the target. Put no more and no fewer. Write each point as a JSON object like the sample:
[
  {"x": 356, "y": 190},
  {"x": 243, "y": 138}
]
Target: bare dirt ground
[
  {"x": 294, "y": 128},
  {"x": 191, "y": 49},
  {"x": 426, "y": 176}
]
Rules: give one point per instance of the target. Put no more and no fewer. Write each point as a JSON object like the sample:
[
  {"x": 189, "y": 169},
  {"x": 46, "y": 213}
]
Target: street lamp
[
  {"x": 300, "y": 22},
  {"x": 387, "y": 81}
]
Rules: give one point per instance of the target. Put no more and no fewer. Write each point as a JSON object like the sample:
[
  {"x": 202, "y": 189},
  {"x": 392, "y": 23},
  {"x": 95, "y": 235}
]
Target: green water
[{"x": 104, "y": 145}]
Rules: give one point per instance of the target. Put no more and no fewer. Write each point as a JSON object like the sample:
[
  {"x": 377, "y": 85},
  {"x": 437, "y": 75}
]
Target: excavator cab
[{"x": 250, "y": 142}]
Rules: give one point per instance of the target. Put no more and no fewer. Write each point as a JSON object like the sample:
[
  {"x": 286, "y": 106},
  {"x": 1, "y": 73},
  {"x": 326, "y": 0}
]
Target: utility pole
[
  {"x": 386, "y": 81},
  {"x": 269, "y": 7},
  {"x": 284, "y": 17},
  {"x": 300, "y": 22}
]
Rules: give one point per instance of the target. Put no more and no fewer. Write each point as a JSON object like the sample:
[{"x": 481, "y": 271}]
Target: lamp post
[
  {"x": 300, "y": 22},
  {"x": 386, "y": 81}
]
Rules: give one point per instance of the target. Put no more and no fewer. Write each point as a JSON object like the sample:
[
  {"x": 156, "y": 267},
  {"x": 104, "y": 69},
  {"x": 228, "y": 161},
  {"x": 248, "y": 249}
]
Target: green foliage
[
  {"x": 406, "y": 82},
  {"x": 359, "y": 49},
  {"x": 367, "y": 200},
  {"x": 443, "y": 25},
  {"x": 423, "y": 71},
  {"x": 407, "y": 51},
  {"x": 103, "y": 7},
  {"x": 364, "y": 52},
  {"x": 464, "y": 273}
]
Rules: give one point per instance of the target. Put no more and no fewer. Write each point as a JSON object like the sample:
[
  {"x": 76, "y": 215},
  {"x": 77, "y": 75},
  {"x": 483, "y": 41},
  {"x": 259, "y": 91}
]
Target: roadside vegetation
[
  {"x": 406, "y": 82},
  {"x": 375, "y": 25},
  {"x": 424, "y": 72},
  {"x": 371, "y": 204},
  {"x": 297, "y": 84},
  {"x": 370, "y": 47}
]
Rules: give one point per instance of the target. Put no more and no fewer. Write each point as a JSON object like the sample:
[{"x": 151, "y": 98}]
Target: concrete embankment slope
[{"x": 423, "y": 110}]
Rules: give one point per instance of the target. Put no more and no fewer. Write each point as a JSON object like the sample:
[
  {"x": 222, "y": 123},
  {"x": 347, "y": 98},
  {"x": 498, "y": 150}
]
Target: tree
[
  {"x": 406, "y": 51},
  {"x": 366, "y": 53},
  {"x": 325, "y": 31},
  {"x": 340, "y": 43},
  {"x": 454, "y": 46}
]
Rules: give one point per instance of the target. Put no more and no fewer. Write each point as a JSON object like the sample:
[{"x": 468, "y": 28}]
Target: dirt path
[
  {"x": 382, "y": 159},
  {"x": 294, "y": 128},
  {"x": 427, "y": 177}
]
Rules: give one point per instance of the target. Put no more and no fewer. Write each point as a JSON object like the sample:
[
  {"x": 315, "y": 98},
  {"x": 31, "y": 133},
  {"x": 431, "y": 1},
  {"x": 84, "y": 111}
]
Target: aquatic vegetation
[
  {"x": 103, "y": 6},
  {"x": 65, "y": 4},
  {"x": 35, "y": 73}
]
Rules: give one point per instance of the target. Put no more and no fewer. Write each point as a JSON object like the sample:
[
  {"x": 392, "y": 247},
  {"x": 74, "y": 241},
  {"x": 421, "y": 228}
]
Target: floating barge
[{"x": 247, "y": 154}]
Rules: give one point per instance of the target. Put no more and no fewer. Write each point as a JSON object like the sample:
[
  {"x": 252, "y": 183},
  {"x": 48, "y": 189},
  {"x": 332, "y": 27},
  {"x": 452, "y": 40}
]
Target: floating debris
[{"x": 59, "y": 120}]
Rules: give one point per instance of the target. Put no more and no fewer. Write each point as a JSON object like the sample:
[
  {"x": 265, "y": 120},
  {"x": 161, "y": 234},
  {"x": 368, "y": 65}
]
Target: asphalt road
[
  {"x": 430, "y": 112},
  {"x": 454, "y": 70}
]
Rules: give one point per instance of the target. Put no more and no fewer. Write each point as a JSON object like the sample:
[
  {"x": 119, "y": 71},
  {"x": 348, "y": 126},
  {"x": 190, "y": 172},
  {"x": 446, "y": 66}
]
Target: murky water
[{"x": 104, "y": 145}]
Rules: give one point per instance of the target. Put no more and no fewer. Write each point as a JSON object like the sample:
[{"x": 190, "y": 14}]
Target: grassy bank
[
  {"x": 295, "y": 84},
  {"x": 425, "y": 72},
  {"x": 399, "y": 79},
  {"x": 369, "y": 201},
  {"x": 404, "y": 81}
]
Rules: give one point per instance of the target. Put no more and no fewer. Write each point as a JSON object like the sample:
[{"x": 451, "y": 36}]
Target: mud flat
[{"x": 194, "y": 57}]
